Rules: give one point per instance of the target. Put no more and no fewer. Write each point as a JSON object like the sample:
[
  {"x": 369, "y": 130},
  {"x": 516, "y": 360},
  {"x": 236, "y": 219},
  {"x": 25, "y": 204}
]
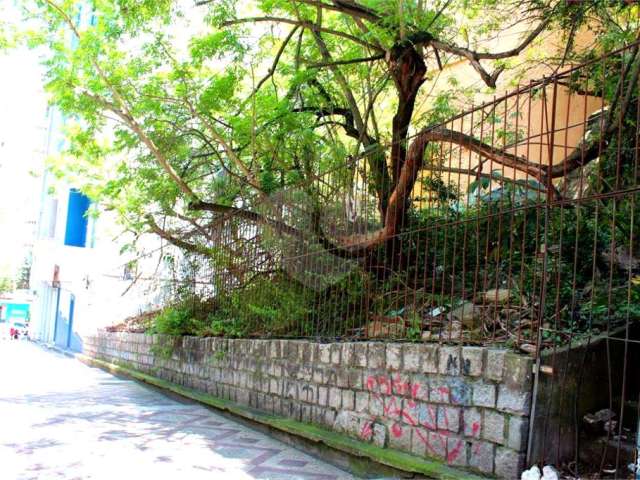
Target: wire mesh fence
[{"x": 512, "y": 222}]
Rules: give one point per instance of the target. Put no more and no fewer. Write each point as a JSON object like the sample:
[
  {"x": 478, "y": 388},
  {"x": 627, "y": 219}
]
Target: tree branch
[
  {"x": 348, "y": 7},
  {"x": 475, "y": 57},
  {"x": 301, "y": 23},
  {"x": 178, "y": 242},
  {"x": 121, "y": 109},
  {"x": 273, "y": 67},
  {"x": 348, "y": 62}
]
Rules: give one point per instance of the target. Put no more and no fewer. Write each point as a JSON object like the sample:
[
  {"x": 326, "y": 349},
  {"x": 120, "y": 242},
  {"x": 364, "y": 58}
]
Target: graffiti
[{"x": 438, "y": 439}]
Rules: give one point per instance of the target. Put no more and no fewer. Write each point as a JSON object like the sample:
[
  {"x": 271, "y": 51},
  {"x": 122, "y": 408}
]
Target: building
[{"x": 79, "y": 278}]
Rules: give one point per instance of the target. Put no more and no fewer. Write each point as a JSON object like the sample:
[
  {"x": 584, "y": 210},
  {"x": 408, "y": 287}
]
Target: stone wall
[{"x": 466, "y": 406}]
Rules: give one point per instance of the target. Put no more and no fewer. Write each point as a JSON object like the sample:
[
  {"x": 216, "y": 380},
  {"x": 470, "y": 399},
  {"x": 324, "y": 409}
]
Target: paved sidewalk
[{"x": 60, "y": 419}]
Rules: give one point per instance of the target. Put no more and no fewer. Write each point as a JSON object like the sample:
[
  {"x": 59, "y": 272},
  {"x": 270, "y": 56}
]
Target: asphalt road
[{"x": 60, "y": 419}]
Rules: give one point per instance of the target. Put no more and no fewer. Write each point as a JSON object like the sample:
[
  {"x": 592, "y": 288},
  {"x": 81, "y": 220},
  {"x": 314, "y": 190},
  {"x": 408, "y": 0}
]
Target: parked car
[{"x": 18, "y": 329}]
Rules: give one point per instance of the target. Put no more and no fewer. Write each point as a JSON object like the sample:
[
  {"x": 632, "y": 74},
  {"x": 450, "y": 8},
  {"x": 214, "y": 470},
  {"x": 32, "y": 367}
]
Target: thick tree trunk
[{"x": 408, "y": 69}]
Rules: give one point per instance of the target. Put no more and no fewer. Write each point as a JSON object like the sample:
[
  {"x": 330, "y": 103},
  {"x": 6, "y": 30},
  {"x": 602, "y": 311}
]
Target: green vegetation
[
  {"x": 210, "y": 125},
  {"x": 6, "y": 285}
]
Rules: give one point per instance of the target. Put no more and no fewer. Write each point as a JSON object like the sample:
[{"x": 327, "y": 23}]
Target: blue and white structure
[{"x": 78, "y": 276}]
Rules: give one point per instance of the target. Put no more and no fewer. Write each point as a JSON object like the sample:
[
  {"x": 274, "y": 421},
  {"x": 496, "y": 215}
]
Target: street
[{"x": 60, "y": 419}]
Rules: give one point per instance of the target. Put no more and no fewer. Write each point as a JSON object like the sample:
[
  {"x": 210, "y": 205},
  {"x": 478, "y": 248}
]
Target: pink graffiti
[
  {"x": 367, "y": 431},
  {"x": 384, "y": 385}
]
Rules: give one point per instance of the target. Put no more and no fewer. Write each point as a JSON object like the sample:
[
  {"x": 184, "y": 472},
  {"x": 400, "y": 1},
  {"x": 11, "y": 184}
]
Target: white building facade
[{"x": 79, "y": 278}]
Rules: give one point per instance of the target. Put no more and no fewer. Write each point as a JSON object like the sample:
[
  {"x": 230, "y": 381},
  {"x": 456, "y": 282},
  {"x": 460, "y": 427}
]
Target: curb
[{"x": 390, "y": 458}]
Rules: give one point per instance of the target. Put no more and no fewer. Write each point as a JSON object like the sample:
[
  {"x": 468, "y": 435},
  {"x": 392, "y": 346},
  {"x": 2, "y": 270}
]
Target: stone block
[
  {"x": 335, "y": 398},
  {"x": 294, "y": 410},
  {"x": 323, "y": 396},
  {"x": 324, "y": 350},
  {"x": 449, "y": 418},
  {"x": 375, "y": 383},
  {"x": 411, "y": 358},
  {"x": 457, "y": 451},
  {"x": 460, "y": 392},
  {"x": 449, "y": 362},
  {"x": 292, "y": 351},
  {"x": 508, "y": 463},
  {"x": 379, "y": 437},
  {"x": 518, "y": 432},
  {"x": 275, "y": 386},
  {"x": 420, "y": 387},
  {"x": 494, "y": 365},
  {"x": 347, "y": 422},
  {"x": 317, "y": 415},
  {"x": 493, "y": 427},
  {"x": 347, "y": 354},
  {"x": 437, "y": 445},
  {"x": 472, "y": 422},
  {"x": 331, "y": 376},
  {"x": 419, "y": 440},
  {"x": 275, "y": 369},
  {"x": 291, "y": 390},
  {"x": 242, "y": 397},
  {"x": 410, "y": 411},
  {"x": 377, "y": 356},
  {"x": 304, "y": 351},
  {"x": 400, "y": 437},
  {"x": 355, "y": 379},
  {"x": 400, "y": 383},
  {"x": 329, "y": 417},
  {"x": 484, "y": 395},
  {"x": 315, "y": 353},
  {"x": 305, "y": 373},
  {"x": 439, "y": 391},
  {"x": 472, "y": 361},
  {"x": 317, "y": 376},
  {"x": 393, "y": 407},
  {"x": 430, "y": 356},
  {"x": 360, "y": 354},
  {"x": 336, "y": 353},
  {"x": 308, "y": 393},
  {"x": 362, "y": 402},
  {"x": 427, "y": 416},
  {"x": 305, "y": 414},
  {"x": 394, "y": 356},
  {"x": 376, "y": 405},
  {"x": 341, "y": 377},
  {"x": 348, "y": 399},
  {"x": 518, "y": 371},
  {"x": 481, "y": 456},
  {"x": 514, "y": 401}
]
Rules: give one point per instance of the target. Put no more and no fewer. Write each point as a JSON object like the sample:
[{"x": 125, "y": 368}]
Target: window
[{"x": 77, "y": 221}]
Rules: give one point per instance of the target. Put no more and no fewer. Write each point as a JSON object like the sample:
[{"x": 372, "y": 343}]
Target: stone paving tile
[{"x": 62, "y": 420}]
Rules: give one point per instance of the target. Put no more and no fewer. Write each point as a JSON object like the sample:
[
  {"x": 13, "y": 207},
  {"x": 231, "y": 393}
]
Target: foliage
[
  {"x": 177, "y": 116},
  {"x": 175, "y": 320},
  {"x": 6, "y": 285},
  {"x": 150, "y": 88},
  {"x": 268, "y": 306},
  {"x": 22, "y": 280}
]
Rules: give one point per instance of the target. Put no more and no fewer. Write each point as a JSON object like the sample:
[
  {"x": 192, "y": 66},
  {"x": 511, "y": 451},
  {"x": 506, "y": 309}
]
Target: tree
[
  {"x": 22, "y": 280},
  {"x": 6, "y": 285},
  {"x": 271, "y": 93}
]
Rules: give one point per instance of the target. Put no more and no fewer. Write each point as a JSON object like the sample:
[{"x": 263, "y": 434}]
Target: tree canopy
[{"x": 180, "y": 111}]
